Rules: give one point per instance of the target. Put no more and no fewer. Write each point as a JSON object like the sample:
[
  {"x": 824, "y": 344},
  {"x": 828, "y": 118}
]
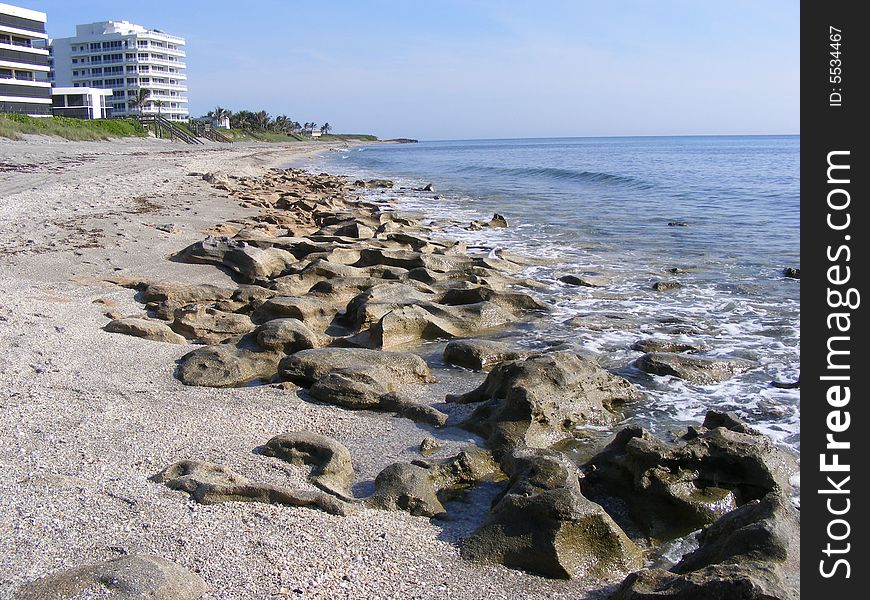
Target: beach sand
[{"x": 86, "y": 417}]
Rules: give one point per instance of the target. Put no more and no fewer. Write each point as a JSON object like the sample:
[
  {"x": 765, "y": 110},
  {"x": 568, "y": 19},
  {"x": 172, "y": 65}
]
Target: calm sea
[{"x": 722, "y": 210}]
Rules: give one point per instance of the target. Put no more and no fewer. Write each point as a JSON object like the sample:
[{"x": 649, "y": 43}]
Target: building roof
[
  {"x": 24, "y": 13},
  {"x": 62, "y": 91}
]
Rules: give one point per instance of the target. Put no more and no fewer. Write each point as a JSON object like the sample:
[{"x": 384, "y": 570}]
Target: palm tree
[
  {"x": 159, "y": 104},
  {"x": 262, "y": 119},
  {"x": 324, "y": 129},
  {"x": 219, "y": 114},
  {"x": 281, "y": 123},
  {"x": 140, "y": 100}
]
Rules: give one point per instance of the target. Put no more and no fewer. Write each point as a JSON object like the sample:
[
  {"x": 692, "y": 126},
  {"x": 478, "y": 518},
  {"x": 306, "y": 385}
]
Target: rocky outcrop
[
  {"x": 694, "y": 369},
  {"x": 586, "y": 280},
  {"x": 542, "y": 523},
  {"x": 480, "y": 355},
  {"x": 332, "y": 469},
  {"x": 249, "y": 262},
  {"x": 156, "y": 331},
  {"x": 538, "y": 401},
  {"x": 752, "y": 552},
  {"x": 134, "y": 576},
  {"x": 226, "y": 365},
  {"x": 210, "y": 483},
  {"x": 667, "y": 490}
]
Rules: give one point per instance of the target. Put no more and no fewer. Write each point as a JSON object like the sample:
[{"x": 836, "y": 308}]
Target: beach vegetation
[
  {"x": 12, "y": 126},
  {"x": 140, "y": 100}
]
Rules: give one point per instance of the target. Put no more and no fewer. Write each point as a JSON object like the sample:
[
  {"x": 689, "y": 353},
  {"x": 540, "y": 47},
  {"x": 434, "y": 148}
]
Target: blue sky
[{"x": 451, "y": 69}]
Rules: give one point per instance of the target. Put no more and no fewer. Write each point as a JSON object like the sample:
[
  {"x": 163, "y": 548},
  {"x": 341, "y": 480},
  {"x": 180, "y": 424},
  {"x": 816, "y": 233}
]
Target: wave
[{"x": 560, "y": 174}]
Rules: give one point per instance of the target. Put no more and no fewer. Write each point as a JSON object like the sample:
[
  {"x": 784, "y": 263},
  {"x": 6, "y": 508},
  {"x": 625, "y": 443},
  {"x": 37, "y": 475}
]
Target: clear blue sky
[{"x": 450, "y": 69}]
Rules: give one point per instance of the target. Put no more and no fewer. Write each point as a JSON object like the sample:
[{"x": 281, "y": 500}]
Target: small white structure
[
  {"x": 80, "y": 102},
  {"x": 316, "y": 133},
  {"x": 222, "y": 123}
]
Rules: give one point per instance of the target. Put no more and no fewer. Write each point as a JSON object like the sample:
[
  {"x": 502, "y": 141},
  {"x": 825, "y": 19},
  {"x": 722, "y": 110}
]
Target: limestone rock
[
  {"x": 135, "y": 576},
  {"x": 538, "y": 401},
  {"x": 669, "y": 490},
  {"x": 156, "y": 331},
  {"x": 226, "y": 365},
  {"x": 286, "y": 335},
  {"x": 209, "y": 325},
  {"x": 210, "y": 483},
  {"x": 542, "y": 523},
  {"x": 389, "y": 368},
  {"x": 332, "y": 472},
  {"x": 480, "y": 355}
]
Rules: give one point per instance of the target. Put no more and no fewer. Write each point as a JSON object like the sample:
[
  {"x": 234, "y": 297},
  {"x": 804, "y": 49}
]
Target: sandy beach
[{"x": 87, "y": 416}]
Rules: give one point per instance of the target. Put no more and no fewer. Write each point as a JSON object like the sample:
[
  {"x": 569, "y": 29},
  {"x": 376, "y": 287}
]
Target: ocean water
[{"x": 723, "y": 211}]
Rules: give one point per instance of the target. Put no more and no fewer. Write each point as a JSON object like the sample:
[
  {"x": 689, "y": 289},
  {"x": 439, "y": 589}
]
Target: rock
[
  {"x": 156, "y": 331},
  {"x": 752, "y": 552},
  {"x": 249, "y": 262},
  {"x": 498, "y": 221},
  {"x": 664, "y": 286},
  {"x": 209, "y": 325},
  {"x": 792, "y": 272},
  {"x": 388, "y": 368},
  {"x": 134, "y": 576},
  {"x": 429, "y": 446},
  {"x": 479, "y": 355},
  {"x": 332, "y": 472},
  {"x": 225, "y": 365},
  {"x": 694, "y": 369},
  {"x": 420, "y": 487},
  {"x": 168, "y": 228},
  {"x": 668, "y": 490},
  {"x": 726, "y": 582},
  {"x": 586, "y": 280},
  {"x": 787, "y": 385},
  {"x": 650, "y": 345},
  {"x": 427, "y": 188},
  {"x": 183, "y": 293},
  {"x": 408, "y": 487},
  {"x": 209, "y": 483},
  {"x": 286, "y": 335},
  {"x": 378, "y": 183},
  {"x": 363, "y": 389},
  {"x": 542, "y": 523},
  {"x": 537, "y": 402},
  {"x": 678, "y": 224},
  {"x": 217, "y": 178}
]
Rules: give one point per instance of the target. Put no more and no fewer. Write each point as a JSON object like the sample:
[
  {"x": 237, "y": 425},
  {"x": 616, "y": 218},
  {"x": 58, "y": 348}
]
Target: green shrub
[{"x": 13, "y": 125}]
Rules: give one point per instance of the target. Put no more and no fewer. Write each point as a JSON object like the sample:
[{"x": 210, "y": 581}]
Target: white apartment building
[
  {"x": 125, "y": 58},
  {"x": 24, "y": 86}
]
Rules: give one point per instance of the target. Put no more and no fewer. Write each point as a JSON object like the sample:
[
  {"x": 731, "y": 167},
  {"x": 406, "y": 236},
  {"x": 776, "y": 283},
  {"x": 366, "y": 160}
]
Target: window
[
  {"x": 96, "y": 71},
  {"x": 75, "y": 61},
  {"x": 132, "y": 81},
  {"x": 24, "y": 75},
  {"x": 5, "y": 73},
  {"x": 95, "y": 46}
]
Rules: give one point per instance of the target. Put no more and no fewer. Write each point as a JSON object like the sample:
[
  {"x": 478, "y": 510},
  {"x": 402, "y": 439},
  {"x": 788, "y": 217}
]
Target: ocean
[{"x": 718, "y": 214}]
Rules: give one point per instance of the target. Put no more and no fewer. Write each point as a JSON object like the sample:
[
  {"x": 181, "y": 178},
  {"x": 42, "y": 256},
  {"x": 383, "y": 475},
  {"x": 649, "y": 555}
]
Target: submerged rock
[
  {"x": 650, "y": 345},
  {"x": 537, "y": 402},
  {"x": 134, "y": 576},
  {"x": 695, "y": 369},
  {"x": 542, "y": 523}
]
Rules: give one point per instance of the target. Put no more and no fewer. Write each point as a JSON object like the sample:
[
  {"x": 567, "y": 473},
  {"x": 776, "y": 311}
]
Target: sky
[{"x": 465, "y": 69}]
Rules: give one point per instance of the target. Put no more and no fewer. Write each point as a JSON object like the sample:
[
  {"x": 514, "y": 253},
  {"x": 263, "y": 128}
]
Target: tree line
[{"x": 246, "y": 119}]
